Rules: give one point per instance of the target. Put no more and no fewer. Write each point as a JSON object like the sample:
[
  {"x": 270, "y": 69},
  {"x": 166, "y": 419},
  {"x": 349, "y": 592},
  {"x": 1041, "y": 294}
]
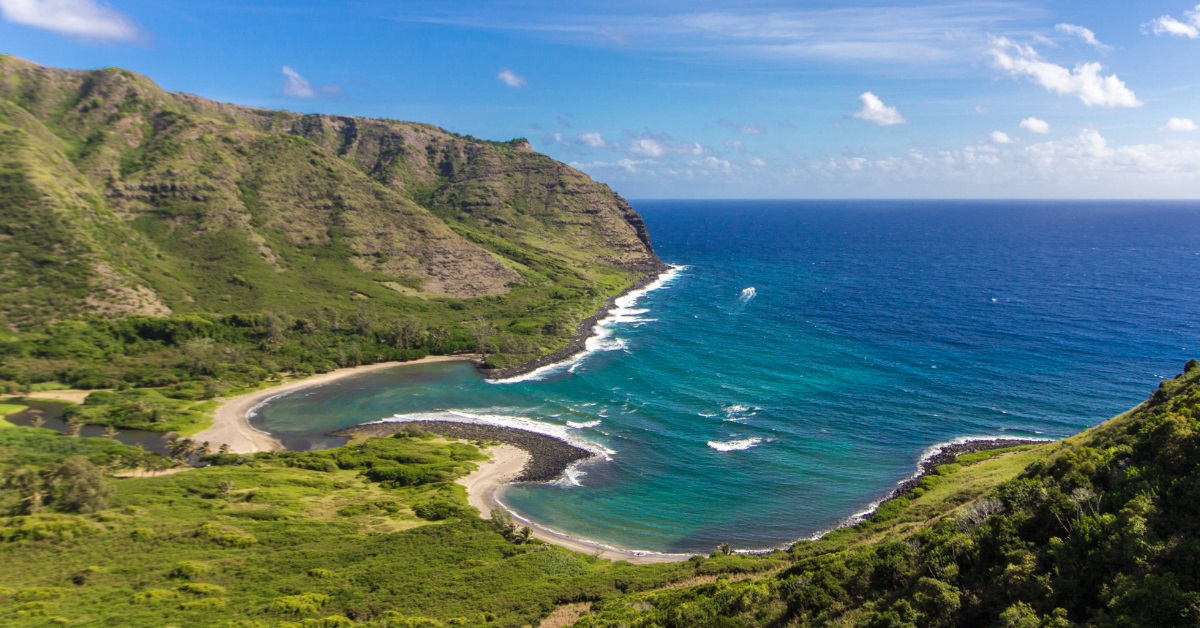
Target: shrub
[{"x": 302, "y": 604}]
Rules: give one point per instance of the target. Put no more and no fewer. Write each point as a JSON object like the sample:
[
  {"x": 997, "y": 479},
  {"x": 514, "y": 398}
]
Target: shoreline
[
  {"x": 231, "y": 421},
  {"x": 508, "y": 464},
  {"x": 933, "y": 457},
  {"x": 584, "y": 331},
  {"x": 549, "y": 457}
]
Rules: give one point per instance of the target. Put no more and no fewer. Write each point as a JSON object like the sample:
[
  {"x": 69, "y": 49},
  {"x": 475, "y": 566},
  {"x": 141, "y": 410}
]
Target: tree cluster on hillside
[{"x": 1104, "y": 530}]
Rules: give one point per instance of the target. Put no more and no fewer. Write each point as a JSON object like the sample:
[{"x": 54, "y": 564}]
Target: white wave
[
  {"x": 734, "y": 445},
  {"x": 708, "y": 415},
  {"x": 930, "y": 452},
  {"x": 560, "y": 432},
  {"x": 622, "y": 312},
  {"x": 747, "y": 294},
  {"x": 578, "y": 425},
  {"x": 736, "y": 409}
]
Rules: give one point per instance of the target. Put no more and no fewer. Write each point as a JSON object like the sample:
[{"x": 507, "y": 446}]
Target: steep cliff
[{"x": 117, "y": 197}]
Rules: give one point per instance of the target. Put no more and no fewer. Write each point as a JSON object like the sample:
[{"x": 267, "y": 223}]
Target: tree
[
  {"x": 110, "y": 431},
  {"x": 406, "y": 333},
  {"x": 226, "y": 489},
  {"x": 481, "y": 331},
  {"x": 80, "y": 486},
  {"x": 74, "y": 426},
  {"x": 30, "y": 486},
  {"x": 37, "y": 421},
  {"x": 725, "y": 548}
]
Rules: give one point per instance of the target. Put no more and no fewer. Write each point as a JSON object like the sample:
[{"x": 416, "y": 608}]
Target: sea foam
[
  {"x": 747, "y": 294},
  {"x": 602, "y": 338},
  {"x": 485, "y": 417},
  {"x": 734, "y": 445}
]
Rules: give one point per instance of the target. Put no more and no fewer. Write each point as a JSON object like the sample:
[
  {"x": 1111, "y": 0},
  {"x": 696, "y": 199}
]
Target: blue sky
[{"x": 762, "y": 98}]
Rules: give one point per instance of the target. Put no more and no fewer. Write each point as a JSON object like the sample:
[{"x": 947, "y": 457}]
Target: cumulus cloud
[
  {"x": 874, "y": 110},
  {"x": 1035, "y": 125},
  {"x": 593, "y": 139},
  {"x": 1188, "y": 27},
  {"x": 511, "y": 79},
  {"x": 646, "y": 147},
  {"x": 1085, "y": 34},
  {"x": 1180, "y": 125},
  {"x": 1000, "y": 137},
  {"x": 1085, "y": 165},
  {"x": 82, "y": 19},
  {"x": 1085, "y": 81}
]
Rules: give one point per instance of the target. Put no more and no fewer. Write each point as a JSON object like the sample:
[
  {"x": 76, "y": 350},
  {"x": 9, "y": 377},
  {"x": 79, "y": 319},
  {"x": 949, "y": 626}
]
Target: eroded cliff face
[
  {"x": 178, "y": 203},
  {"x": 503, "y": 188}
]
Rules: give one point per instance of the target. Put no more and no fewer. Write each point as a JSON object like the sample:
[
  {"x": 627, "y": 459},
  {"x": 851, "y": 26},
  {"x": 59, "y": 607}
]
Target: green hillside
[
  {"x": 1098, "y": 529},
  {"x": 134, "y": 221}
]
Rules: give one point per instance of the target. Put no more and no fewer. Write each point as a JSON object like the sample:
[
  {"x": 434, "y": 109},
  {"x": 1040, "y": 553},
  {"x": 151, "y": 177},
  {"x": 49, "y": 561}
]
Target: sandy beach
[
  {"x": 485, "y": 487},
  {"x": 231, "y": 426}
]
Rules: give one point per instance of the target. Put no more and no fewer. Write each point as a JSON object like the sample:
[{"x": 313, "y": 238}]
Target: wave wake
[
  {"x": 483, "y": 417},
  {"x": 734, "y": 445},
  {"x": 602, "y": 338}
]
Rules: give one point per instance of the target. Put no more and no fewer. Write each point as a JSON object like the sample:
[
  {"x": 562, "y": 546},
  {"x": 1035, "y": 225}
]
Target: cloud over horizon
[
  {"x": 875, "y": 111},
  {"x": 81, "y": 19},
  {"x": 1084, "y": 82},
  {"x": 1188, "y": 27},
  {"x": 296, "y": 86},
  {"x": 1085, "y": 34},
  {"x": 1035, "y": 125},
  {"x": 511, "y": 79}
]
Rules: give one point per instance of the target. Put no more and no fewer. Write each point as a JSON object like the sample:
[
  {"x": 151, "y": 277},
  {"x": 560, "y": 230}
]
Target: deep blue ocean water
[{"x": 874, "y": 331}]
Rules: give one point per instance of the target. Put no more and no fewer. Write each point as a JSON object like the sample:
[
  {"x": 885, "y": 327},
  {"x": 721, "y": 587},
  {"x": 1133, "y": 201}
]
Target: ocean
[{"x": 802, "y": 356}]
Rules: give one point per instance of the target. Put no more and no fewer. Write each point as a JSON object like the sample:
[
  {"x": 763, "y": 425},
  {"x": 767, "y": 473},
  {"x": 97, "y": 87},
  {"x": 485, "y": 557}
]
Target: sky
[{"x": 703, "y": 99}]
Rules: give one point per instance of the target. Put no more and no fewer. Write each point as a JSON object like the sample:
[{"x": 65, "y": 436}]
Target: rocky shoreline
[
  {"x": 578, "y": 342},
  {"x": 949, "y": 453},
  {"x": 550, "y": 457}
]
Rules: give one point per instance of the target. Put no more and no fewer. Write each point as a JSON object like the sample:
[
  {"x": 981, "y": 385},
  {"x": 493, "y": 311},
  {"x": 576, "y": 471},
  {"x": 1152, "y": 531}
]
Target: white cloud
[
  {"x": 511, "y": 79},
  {"x": 1085, "y": 34},
  {"x": 646, "y": 147},
  {"x": 875, "y": 111},
  {"x": 1035, "y": 125},
  {"x": 83, "y": 19},
  {"x": 737, "y": 145},
  {"x": 1188, "y": 27},
  {"x": 1085, "y": 81},
  {"x": 1181, "y": 125},
  {"x": 757, "y": 163},
  {"x": 1000, "y": 137},
  {"x": 593, "y": 139},
  {"x": 297, "y": 86}
]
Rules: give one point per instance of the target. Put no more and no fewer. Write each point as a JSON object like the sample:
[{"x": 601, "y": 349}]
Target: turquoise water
[{"x": 874, "y": 331}]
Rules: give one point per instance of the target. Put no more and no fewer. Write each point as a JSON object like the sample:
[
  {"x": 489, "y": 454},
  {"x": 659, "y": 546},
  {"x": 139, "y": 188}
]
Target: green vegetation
[
  {"x": 374, "y": 533},
  {"x": 161, "y": 241},
  {"x": 1098, "y": 529}
]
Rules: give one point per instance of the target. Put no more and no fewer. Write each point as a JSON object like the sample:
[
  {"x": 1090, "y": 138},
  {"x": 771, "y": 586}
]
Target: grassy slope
[
  {"x": 173, "y": 549},
  {"x": 1088, "y": 529},
  {"x": 118, "y": 198}
]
